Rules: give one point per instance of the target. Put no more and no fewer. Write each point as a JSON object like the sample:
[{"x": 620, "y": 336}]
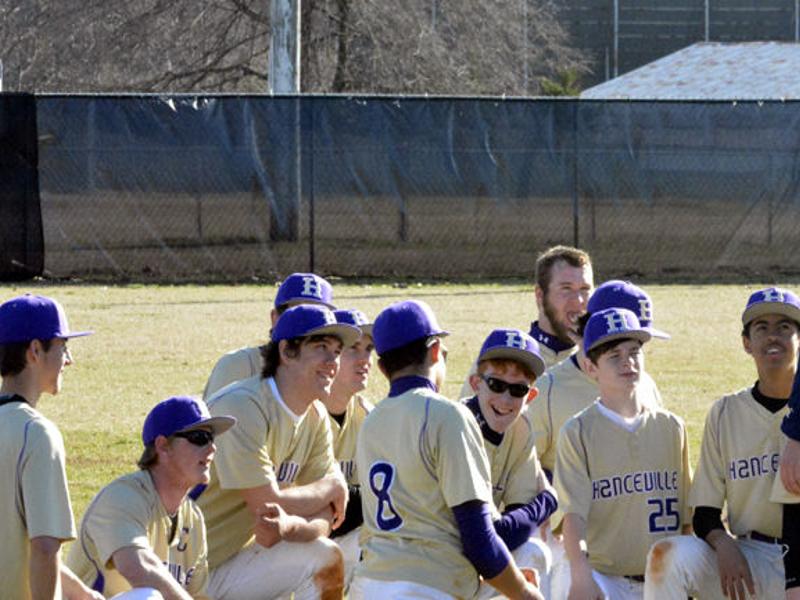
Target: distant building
[{"x": 712, "y": 71}]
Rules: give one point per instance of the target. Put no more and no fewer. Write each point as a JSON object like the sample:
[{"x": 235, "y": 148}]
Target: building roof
[{"x": 712, "y": 71}]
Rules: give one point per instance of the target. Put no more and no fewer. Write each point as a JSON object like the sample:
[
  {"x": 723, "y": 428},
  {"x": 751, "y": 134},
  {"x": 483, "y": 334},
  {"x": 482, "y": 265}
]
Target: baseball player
[
  {"x": 142, "y": 530},
  {"x": 508, "y": 364},
  {"x": 280, "y": 453},
  {"x": 564, "y": 282},
  {"x": 738, "y": 462},
  {"x": 36, "y": 515},
  {"x": 425, "y": 480},
  {"x": 566, "y": 388},
  {"x": 622, "y": 467},
  {"x": 297, "y": 288},
  {"x": 347, "y": 410}
]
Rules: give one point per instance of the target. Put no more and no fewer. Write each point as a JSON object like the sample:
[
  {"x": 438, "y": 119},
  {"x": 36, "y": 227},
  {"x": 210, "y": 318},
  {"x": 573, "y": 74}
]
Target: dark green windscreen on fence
[{"x": 229, "y": 187}]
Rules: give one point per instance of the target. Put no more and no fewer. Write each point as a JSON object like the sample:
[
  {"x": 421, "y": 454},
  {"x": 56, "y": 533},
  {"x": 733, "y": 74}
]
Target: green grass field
[{"x": 152, "y": 342}]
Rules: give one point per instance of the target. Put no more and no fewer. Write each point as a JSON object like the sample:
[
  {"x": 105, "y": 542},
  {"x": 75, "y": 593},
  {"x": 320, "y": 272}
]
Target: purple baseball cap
[
  {"x": 351, "y": 316},
  {"x": 612, "y": 324},
  {"x": 301, "y": 288},
  {"x": 30, "y": 317},
  {"x": 513, "y": 344},
  {"x": 181, "y": 413},
  {"x": 616, "y": 293},
  {"x": 772, "y": 300},
  {"x": 304, "y": 320},
  {"x": 402, "y": 323}
]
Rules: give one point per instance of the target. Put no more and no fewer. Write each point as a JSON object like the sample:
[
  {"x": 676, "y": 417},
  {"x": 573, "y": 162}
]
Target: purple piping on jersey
[
  {"x": 424, "y": 447},
  {"x": 551, "y": 341},
  {"x": 489, "y": 434},
  {"x": 550, "y": 379},
  {"x": 99, "y": 580},
  {"x": 403, "y": 384},
  {"x": 197, "y": 491},
  {"x": 18, "y": 499}
]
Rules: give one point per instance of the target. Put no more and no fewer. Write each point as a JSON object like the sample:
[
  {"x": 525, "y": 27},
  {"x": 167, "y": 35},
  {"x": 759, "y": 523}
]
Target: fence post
[{"x": 575, "y": 175}]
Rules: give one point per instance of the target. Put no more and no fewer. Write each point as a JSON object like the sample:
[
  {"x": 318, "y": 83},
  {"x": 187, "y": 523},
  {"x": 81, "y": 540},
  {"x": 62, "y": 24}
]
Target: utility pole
[{"x": 284, "y": 78}]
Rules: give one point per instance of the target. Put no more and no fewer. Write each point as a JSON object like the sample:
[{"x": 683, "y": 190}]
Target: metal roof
[{"x": 712, "y": 71}]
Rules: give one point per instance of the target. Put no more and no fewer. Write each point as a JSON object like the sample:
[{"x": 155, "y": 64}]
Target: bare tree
[{"x": 406, "y": 46}]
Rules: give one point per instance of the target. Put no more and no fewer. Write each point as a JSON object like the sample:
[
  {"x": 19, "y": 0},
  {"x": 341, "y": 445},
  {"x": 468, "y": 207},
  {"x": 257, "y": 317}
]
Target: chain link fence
[{"x": 230, "y": 188}]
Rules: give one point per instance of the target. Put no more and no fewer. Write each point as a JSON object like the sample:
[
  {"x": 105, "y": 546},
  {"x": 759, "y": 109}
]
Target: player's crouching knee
[
  {"x": 329, "y": 569},
  {"x": 659, "y": 560}
]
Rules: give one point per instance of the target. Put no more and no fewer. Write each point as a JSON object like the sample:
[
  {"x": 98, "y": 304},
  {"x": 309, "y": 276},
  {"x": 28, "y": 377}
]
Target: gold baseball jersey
[
  {"x": 550, "y": 357},
  {"x": 739, "y": 459},
  {"x": 346, "y": 434},
  {"x": 270, "y": 444},
  {"x": 233, "y": 366},
  {"x": 629, "y": 486},
  {"x": 565, "y": 390},
  {"x": 128, "y": 513},
  {"x": 419, "y": 454},
  {"x": 515, "y": 469},
  {"x": 34, "y": 498}
]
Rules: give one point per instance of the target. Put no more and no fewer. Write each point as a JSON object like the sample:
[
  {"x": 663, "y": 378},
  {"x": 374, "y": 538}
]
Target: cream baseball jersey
[
  {"x": 34, "y": 498},
  {"x": 565, "y": 390},
  {"x": 739, "y": 460},
  {"x": 233, "y": 366},
  {"x": 629, "y": 486},
  {"x": 419, "y": 454},
  {"x": 128, "y": 513},
  {"x": 346, "y": 434},
  {"x": 270, "y": 444}
]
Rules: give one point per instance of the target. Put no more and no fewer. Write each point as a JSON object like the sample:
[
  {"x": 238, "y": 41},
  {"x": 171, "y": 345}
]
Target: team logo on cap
[
  {"x": 514, "y": 340},
  {"x": 645, "y": 310},
  {"x": 615, "y": 322},
  {"x": 311, "y": 287},
  {"x": 330, "y": 318},
  {"x": 772, "y": 295}
]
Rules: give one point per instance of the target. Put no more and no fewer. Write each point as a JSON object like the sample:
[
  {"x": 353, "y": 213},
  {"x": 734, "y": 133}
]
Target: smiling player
[
  {"x": 564, "y": 282},
  {"x": 142, "y": 531},
  {"x": 738, "y": 463}
]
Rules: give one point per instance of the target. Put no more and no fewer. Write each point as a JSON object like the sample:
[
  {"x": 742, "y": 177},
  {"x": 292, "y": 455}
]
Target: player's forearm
[
  {"x": 574, "y": 529},
  {"x": 305, "y": 530},
  {"x": 510, "y": 582},
  {"x": 308, "y": 500},
  {"x": 44, "y": 566},
  {"x": 142, "y": 568},
  {"x": 73, "y": 587}
]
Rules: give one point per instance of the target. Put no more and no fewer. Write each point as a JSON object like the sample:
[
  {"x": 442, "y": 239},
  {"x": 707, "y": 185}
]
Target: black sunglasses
[
  {"x": 198, "y": 437},
  {"x": 498, "y": 386}
]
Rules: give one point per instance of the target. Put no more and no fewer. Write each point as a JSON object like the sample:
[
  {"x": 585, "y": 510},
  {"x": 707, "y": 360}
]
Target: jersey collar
[
  {"x": 551, "y": 341},
  {"x": 489, "y": 434},
  {"x": 410, "y": 382}
]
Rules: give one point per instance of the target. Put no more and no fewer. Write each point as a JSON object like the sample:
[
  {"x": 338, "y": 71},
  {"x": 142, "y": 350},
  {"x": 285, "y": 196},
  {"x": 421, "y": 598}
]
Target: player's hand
[
  {"x": 271, "y": 525},
  {"x": 532, "y": 592},
  {"x": 338, "y": 496},
  {"x": 531, "y": 575},
  {"x": 584, "y": 587},
  {"x": 734, "y": 572},
  {"x": 790, "y": 467}
]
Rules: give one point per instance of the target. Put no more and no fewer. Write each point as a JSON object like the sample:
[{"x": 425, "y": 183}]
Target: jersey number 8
[{"x": 381, "y": 476}]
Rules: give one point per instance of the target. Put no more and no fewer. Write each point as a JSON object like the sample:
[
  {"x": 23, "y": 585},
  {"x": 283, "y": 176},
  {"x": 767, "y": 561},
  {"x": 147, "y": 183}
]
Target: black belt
[
  {"x": 760, "y": 537},
  {"x": 637, "y": 578}
]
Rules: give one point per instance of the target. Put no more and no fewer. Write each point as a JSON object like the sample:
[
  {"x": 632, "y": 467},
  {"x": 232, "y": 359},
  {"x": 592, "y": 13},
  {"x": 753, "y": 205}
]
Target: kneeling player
[
  {"x": 738, "y": 464},
  {"x": 142, "y": 530},
  {"x": 427, "y": 499},
  {"x": 508, "y": 365},
  {"x": 622, "y": 468}
]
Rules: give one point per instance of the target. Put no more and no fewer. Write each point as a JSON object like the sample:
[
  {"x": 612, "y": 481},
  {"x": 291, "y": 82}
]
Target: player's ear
[
  {"x": 539, "y": 293},
  {"x": 161, "y": 444},
  {"x": 531, "y": 395},
  {"x": 474, "y": 381},
  {"x": 283, "y": 351},
  {"x": 273, "y": 316},
  {"x": 746, "y": 344}
]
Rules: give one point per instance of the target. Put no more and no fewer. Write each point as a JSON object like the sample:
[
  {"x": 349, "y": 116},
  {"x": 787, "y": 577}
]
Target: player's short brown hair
[
  {"x": 412, "y": 354},
  {"x": 502, "y": 364},
  {"x": 13, "y": 359},
  {"x": 148, "y": 458},
  {"x": 271, "y": 355},
  {"x": 574, "y": 257},
  {"x": 595, "y": 353}
]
